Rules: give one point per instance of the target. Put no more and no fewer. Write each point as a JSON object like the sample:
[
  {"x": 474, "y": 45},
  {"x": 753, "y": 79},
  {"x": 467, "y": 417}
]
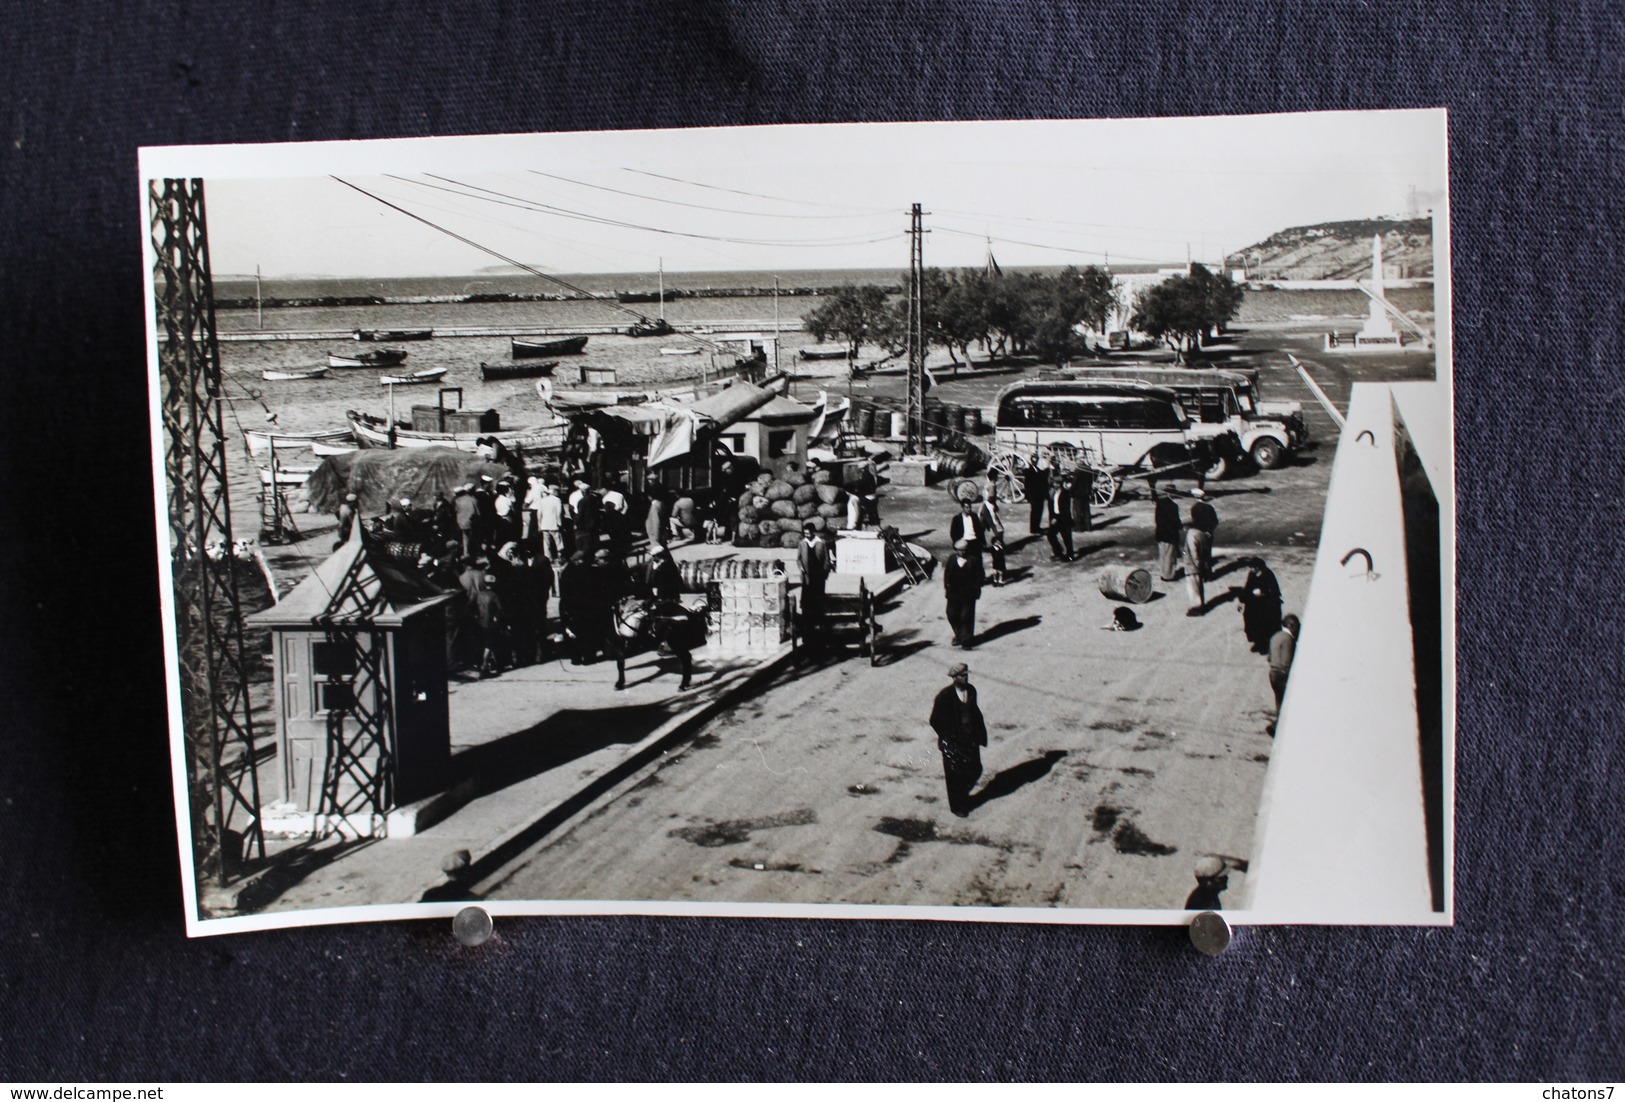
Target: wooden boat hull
[
  {"x": 823, "y": 354},
  {"x": 286, "y": 476},
  {"x": 333, "y": 449},
  {"x": 537, "y": 350},
  {"x": 433, "y": 375},
  {"x": 259, "y": 443},
  {"x": 535, "y": 369},
  {"x": 393, "y": 334},
  {"x": 679, "y": 351},
  {"x": 373, "y": 432},
  {"x": 650, "y": 329},
  {"x": 384, "y": 357},
  {"x": 294, "y": 376}
]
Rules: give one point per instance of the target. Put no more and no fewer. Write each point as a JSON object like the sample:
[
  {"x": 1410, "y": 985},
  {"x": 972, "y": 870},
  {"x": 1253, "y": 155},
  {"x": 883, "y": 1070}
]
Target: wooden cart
[{"x": 849, "y": 620}]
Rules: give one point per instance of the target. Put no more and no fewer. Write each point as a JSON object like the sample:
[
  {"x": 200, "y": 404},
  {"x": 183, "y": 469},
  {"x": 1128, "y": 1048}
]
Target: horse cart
[{"x": 1006, "y": 470}]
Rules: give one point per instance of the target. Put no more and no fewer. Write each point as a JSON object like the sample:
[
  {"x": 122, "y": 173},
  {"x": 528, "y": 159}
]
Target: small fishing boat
[
  {"x": 285, "y": 476},
  {"x": 293, "y": 376},
  {"x": 332, "y": 449},
  {"x": 427, "y": 375},
  {"x": 393, "y": 334},
  {"x": 650, "y": 327},
  {"x": 384, "y": 357},
  {"x": 375, "y": 432},
  {"x": 538, "y": 350},
  {"x": 679, "y": 351},
  {"x": 260, "y": 443},
  {"x": 531, "y": 370},
  {"x": 823, "y": 353}
]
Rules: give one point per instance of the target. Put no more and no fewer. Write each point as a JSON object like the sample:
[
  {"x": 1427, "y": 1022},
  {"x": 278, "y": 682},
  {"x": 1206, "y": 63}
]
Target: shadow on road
[
  {"x": 1008, "y": 627},
  {"x": 1007, "y": 781}
]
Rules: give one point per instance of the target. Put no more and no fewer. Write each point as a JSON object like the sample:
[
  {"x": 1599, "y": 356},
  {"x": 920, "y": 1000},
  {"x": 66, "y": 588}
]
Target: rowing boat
[
  {"x": 333, "y": 449},
  {"x": 393, "y": 334},
  {"x": 293, "y": 376},
  {"x": 375, "y": 432},
  {"x": 427, "y": 375},
  {"x": 384, "y": 357},
  {"x": 286, "y": 476},
  {"x": 260, "y": 443},
  {"x": 536, "y": 350},
  {"x": 528, "y": 370},
  {"x": 824, "y": 354},
  {"x": 679, "y": 351}
]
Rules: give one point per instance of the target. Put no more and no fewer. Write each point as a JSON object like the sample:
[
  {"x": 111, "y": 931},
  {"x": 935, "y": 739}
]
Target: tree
[
  {"x": 1181, "y": 311},
  {"x": 856, "y": 314}
]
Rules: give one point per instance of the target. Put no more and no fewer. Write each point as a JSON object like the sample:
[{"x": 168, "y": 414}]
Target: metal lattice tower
[
  {"x": 916, "y": 335},
  {"x": 358, "y": 780},
  {"x": 219, "y": 734}
]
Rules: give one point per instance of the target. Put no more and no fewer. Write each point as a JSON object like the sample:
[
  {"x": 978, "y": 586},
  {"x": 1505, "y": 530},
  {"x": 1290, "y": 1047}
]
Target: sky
[{"x": 806, "y": 197}]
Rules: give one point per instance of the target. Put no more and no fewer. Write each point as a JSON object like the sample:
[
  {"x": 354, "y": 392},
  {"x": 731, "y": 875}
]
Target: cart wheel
[
  {"x": 1105, "y": 490},
  {"x": 1004, "y": 472},
  {"x": 874, "y": 643}
]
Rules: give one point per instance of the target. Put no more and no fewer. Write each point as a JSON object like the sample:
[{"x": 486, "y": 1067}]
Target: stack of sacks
[{"x": 772, "y": 510}]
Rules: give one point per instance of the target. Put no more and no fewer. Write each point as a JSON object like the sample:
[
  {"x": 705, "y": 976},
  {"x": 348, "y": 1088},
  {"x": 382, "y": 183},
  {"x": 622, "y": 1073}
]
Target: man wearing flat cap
[
  {"x": 961, "y": 587},
  {"x": 961, "y": 733}
]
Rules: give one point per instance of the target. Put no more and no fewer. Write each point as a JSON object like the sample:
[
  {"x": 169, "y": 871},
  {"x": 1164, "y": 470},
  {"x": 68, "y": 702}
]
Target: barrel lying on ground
[{"x": 1126, "y": 583}]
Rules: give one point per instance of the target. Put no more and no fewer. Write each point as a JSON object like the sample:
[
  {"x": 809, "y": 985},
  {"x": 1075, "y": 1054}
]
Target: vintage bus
[
  {"x": 1224, "y": 408},
  {"x": 1110, "y": 425}
]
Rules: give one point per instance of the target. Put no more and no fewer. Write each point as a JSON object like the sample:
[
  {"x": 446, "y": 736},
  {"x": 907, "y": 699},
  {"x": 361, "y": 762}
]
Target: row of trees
[{"x": 1026, "y": 313}]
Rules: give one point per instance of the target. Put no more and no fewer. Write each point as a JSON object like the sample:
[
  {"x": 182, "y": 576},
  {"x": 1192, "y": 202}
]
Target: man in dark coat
[
  {"x": 1260, "y": 606},
  {"x": 961, "y": 733},
  {"x": 1083, "y": 498},
  {"x": 1035, "y": 484},
  {"x": 1212, "y": 878},
  {"x": 814, "y": 559},
  {"x": 490, "y": 614},
  {"x": 966, "y": 525},
  {"x": 1170, "y": 535},
  {"x": 962, "y": 586},
  {"x": 1058, "y": 529}
]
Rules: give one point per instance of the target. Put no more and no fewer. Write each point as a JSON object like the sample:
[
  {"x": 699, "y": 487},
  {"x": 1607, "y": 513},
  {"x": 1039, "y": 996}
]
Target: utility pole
[
  {"x": 916, "y": 335},
  {"x": 222, "y": 785}
]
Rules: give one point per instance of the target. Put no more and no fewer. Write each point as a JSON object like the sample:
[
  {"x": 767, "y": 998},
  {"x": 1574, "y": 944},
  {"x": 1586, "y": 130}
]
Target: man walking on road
[
  {"x": 1035, "y": 484},
  {"x": 1059, "y": 529},
  {"x": 961, "y": 734},
  {"x": 962, "y": 586},
  {"x": 1199, "y": 553}
]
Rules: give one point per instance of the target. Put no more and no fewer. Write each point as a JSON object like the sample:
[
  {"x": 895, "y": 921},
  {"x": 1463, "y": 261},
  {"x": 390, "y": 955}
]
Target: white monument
[{"x": 1378, "y": 329}]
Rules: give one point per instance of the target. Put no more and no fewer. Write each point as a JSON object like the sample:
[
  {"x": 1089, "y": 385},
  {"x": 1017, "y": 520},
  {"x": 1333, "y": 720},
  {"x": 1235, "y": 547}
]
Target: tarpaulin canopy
[{"x": 378, "y": 477}]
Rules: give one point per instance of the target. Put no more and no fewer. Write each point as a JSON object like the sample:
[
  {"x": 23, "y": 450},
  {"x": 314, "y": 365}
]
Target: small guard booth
[{"x": 362, "y": 719}]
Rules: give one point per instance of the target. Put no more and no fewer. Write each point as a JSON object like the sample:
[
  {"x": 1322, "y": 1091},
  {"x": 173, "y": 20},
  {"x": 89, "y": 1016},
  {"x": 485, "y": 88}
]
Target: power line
[
  {"x": 701, "y": 206},
  {"x": 759, "y": 195},
  {"x": 506, "y": 199},
  {"x": 538, "y": 273}
]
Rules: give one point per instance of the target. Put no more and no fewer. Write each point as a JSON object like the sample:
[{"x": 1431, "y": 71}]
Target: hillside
[{"x": 1342, "y": 250}]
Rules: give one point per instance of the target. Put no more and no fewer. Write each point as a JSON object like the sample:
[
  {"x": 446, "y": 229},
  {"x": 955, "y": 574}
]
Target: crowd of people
[{"x": 508, "y": 546}]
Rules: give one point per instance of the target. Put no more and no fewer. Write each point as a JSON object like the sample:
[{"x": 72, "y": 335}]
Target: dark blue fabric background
[{"x": 96, "y": 978}]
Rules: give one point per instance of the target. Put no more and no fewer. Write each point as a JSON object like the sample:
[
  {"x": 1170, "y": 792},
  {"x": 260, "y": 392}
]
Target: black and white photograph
[{"x": 981, "y": 521}]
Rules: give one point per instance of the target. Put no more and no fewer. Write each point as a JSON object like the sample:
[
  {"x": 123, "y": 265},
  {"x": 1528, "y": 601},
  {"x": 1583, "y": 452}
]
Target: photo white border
[{"x": 472, "y": 154}]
